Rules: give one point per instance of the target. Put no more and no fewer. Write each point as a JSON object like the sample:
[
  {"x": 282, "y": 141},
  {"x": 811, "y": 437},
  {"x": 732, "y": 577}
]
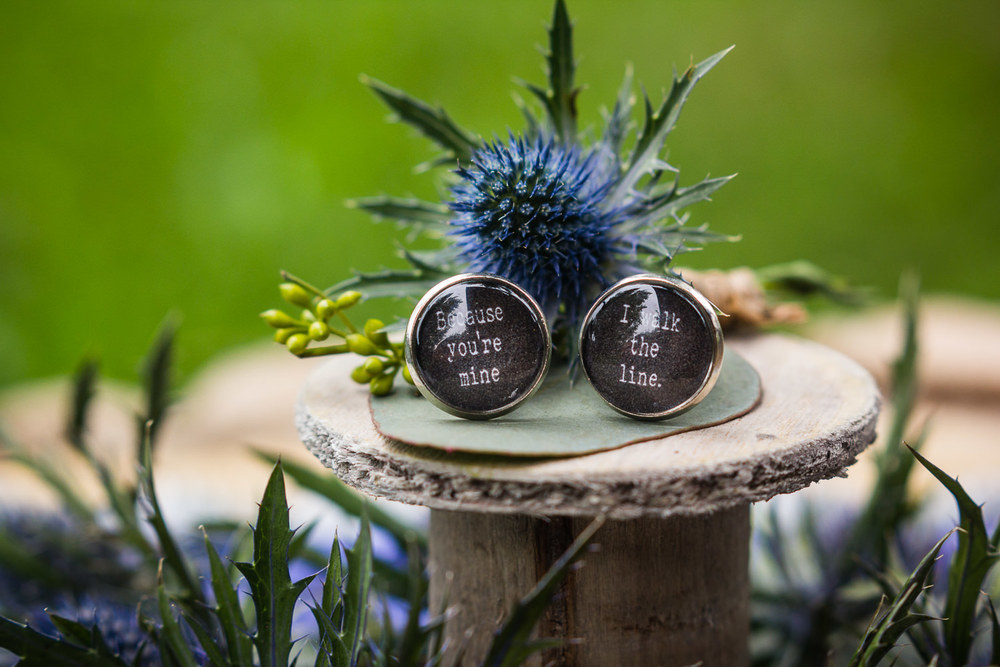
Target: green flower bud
[
  {"x": 406, "y": 374},
  {"x": 278, "y": 319},
  {"x": 348, "y": 299},
  {"x": 295, "y": 295},
  {"x": 373, "y": 329},
  {"x": 319, "y": 330},
  {"x": 308, "y": 316},
  {"x": 374, "y": 366},
  {"x": 381, "y": 385},
  {"x": 282, "y": 335},
  {"x": 326, "y": 309},
  {"x": 360, "y": 375},
  {"x": 297, "y": 343},
  {"x": 358, "y": 344}
]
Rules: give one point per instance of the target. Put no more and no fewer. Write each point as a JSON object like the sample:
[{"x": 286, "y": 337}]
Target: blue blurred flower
[{"x": 117, "y": 623}]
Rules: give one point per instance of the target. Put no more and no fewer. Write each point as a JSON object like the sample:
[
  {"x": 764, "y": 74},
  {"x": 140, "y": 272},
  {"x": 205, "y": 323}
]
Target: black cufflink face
[
  {"x": 651, "y": 346},
  {"x": 477, "y": 346}
]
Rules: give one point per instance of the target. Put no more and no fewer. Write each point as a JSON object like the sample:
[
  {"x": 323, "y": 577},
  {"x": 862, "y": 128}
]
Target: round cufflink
[
  {"x": 651, "y": 346},
  {"x": 477, "y": 345}
]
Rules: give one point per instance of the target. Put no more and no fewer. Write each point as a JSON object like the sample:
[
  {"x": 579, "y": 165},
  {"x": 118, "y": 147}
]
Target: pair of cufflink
[{"x": 478, "y": 345}]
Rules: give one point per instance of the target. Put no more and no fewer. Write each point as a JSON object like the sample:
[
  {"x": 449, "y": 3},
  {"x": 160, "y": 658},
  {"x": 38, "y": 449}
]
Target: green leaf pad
[{"x": 560, "y": 420}]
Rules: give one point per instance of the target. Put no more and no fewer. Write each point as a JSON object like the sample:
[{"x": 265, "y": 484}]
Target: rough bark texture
[
  {"x": 653, "y": 591},
  {"x": 818, "y": 411}
]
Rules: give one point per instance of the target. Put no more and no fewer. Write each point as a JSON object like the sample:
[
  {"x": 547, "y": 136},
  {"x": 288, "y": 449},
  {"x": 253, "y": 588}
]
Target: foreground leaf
[
  {"x": 330, "y": 487},
  {"x": 228, "y": 610},
  {"x": 39, "y": 650},
  {"x": 882, "y": 635},
  {"x": 359, "y": 579},
  {"x": 970, "y": 565},
  {"x": 273, "y": 592},
  {"x": 511, "y": 644}
]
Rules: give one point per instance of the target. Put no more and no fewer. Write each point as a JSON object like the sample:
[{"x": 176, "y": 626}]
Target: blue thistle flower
[
  {"x": 534, "y": 211},
  {"x": 549, "y": 210}
]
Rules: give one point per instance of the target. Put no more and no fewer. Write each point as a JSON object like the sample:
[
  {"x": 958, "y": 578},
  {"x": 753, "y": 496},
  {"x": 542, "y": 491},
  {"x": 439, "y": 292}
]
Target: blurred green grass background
[{"x": 159, "y": 157}]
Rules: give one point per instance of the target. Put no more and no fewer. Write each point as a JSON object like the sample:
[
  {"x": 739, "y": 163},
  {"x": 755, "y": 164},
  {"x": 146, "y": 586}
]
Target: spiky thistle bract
[{"x": 561, "y": 217}]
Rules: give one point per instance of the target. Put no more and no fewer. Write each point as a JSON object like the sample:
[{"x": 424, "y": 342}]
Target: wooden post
[
  {"x": 670, "y": 591},
  {"x": 668, "y": 585}
]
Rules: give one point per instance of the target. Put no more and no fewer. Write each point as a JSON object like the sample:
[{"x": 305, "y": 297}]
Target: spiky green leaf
[
  {"x": 209, "y": 643},
  {"x": 413, "y": 213},
  {"x": 433, "y": 123},
  {"x": 357, "y": 587},
  {"x": 883, "y": 634},
  {"x": 970, "y": 565},
  {"x": 40, "y": 650},
  {"x": 173, "y": 557},
  {"x": 560, "y": 99},
  {"x": 394, "y": 283},
  {"x": 172, "y": 638},
  {"x": 645, "y": 158},
  {"x": 273, "y": 592},
  {"x": 511, "y": 643},
  {"x": 227, "y": 607},
  {"x": 619, "y": 121},
  {"x": 330, "y": 487}
]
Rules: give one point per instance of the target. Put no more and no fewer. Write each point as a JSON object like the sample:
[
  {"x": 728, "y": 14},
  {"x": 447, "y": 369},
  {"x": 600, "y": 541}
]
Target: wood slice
[{"x": 818, "y": 411}]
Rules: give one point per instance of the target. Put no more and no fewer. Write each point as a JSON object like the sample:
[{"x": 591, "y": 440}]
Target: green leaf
[
  {"x": 359, "y": 576},
  {"x": 883, "y": 634},
  {"x": 887, "y": 505},
  {"x": 71, "y": 630},
  {"x": 39, "y": 650},
  {"x": 17, "y": 453},
  {"x": 643, "y": 214},
  {"x": 619, "y": 121},
  {"x": 415, "y": 214},
  {"x": 433, "y": 123},
  {"x": 83, "y": 391},
  {"x": 156, "y": 375},
  {"x": 173, "y": 556},
  {"x": 511, "y": 644},
  {"x": 560, "y": 99},
  {"x": 994, "y": 633},
  {"x": 436, "y": 262},
  {"x": 208, "y": 643},
  {"x": 645, "y": 157},
  {"x": 970, "y": 565},
  {"x": 228, "y": 610},
  {"x": 273, "y": 592},
  {"x": 395, "y": 283},
  {"x": 330, "y": 487},
  {"x": 561, "y": 420},
  {"x": 172, "y": 637},
  {"x": 803, "y": 278}
]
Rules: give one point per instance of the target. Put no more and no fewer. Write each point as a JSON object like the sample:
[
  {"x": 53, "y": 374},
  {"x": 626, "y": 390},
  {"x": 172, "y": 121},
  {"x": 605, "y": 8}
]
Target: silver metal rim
[
  {"x": 704, "y": 308},
  {"x": 410, "y": 343}
]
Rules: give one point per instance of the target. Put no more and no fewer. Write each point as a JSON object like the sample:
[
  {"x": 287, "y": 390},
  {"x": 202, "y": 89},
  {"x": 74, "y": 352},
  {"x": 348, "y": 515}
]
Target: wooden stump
[
  {"x": 668, "y": 585},
  {"x": 655, "y": 591}
]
